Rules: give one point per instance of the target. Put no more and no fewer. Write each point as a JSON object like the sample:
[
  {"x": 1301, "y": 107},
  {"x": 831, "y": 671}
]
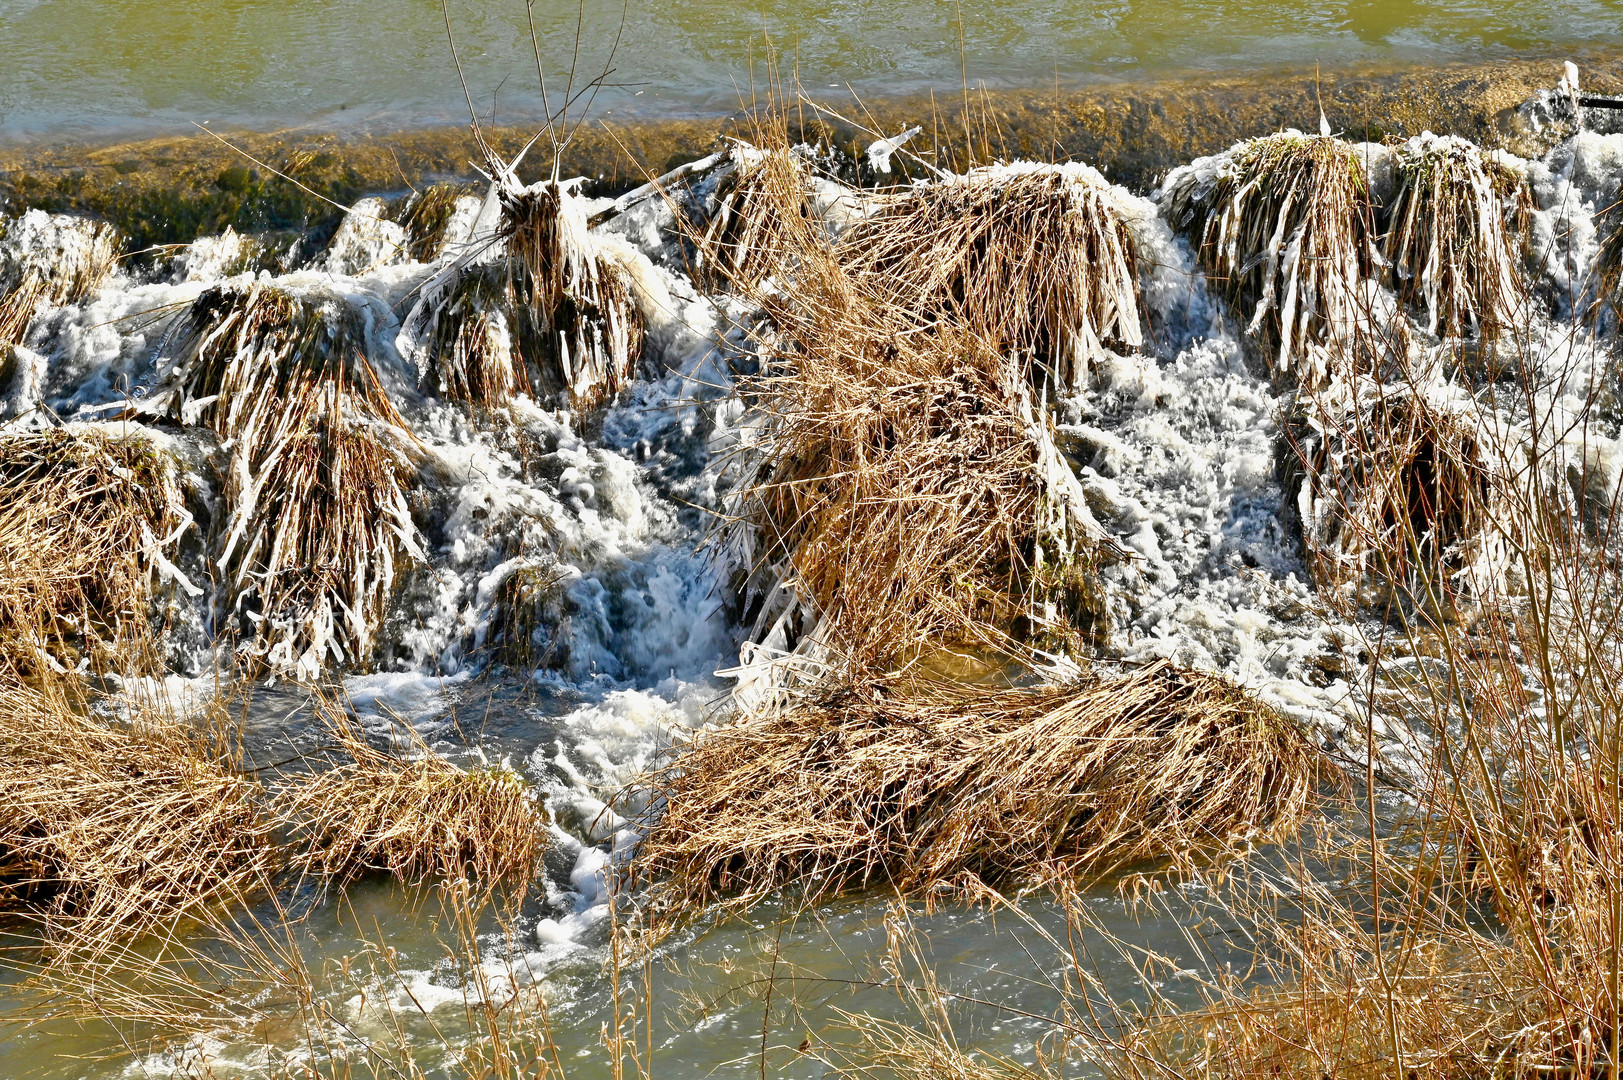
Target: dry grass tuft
[
  {"x": 1457, "y": 1014},
  {"x": 1497, "y": 953},
  {"x": 1285, "y": 230},
  {"x": 1038, "y": 260},
  {"x": 110, "y": 830},
  {"x": 912, "y": 502},
  {"x": 316, "y": 520},
  {"x": 902, "y": 493},
  {"x": 919, "y": 786},
  {"x": 1401, "y": 498},
  {"x": 758, "y": 226},
  {"x": 47, "y": 261},
  {"x": 1454, "y": 238},
  {"x": 543, "y": 306},
  {"x": 416, "y": 817},
  {"x": 88, "y": 521}
]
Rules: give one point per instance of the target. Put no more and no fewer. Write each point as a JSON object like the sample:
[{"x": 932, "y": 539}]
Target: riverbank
[{"x": 172, "y": 189}]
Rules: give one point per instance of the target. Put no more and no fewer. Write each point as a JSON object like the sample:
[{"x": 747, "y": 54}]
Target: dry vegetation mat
[
  {"x": 414, "y": 815},
  {"x": 316, "y": 523},
  {"x": 917, "y": 786},
  {"x": 88, "y": 521},
  {"x": 112, "y": 829}
]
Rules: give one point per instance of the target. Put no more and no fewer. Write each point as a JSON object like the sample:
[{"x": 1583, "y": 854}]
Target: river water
[{"x": 76, "y": 66}]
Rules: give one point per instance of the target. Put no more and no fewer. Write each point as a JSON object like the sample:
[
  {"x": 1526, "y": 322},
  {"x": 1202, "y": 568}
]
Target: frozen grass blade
[{"x": 316, "y": 521}]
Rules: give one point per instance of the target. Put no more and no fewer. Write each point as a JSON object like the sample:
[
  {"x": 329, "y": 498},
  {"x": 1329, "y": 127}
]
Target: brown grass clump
[
  {"x": 542, "y": 307},
  {"x": 316, "y": 520},
  {"x": 1454, "y": 238},
  {"x": 913, "y": 502},
  {"x": 757, "y": 227},
  {"x": 416, "y": 817},
  {"x": 1285, "y": 230},
  {"x": 111, "y": 829},
  {"x": 903, "y": 494},
  {"x": 47, "y": 261},
  {"x": 1038, "y": 260},
  {"x": 1400, "y": 498},
  {"x": 925, "y": 785},
  {"x": 88, "y": 521}
]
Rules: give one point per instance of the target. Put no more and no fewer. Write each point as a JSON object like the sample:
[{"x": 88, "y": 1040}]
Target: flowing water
[
  {"x": 1176, "y": 446},
  {"x": 74, "y": 66}
]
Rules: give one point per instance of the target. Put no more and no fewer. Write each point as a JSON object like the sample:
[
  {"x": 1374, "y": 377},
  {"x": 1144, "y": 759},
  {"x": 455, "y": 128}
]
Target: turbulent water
[
  {"x": 1176, "y": 449},
  {"x": 76, "y": 67}
]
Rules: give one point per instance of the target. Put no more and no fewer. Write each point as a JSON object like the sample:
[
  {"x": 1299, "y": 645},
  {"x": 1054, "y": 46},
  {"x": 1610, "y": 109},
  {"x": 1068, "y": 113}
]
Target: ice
[
  {"x": 880, "y": 150},
  {"x": 366, "y": 240}
]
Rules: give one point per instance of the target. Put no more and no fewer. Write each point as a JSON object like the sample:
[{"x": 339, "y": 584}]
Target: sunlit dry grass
[
  {"x": 114, "y": 829},
  {"x": 412, "y": 814},
  {"x": 920, "y": 786},
  {"x": 89, "y": 522}
]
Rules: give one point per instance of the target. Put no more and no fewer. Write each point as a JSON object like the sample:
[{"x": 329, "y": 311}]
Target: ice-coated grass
[
  {"x": 315, "y": 520},
  {"x": 1285, "y": 229},
  {"x": 1455, "y": 236}
]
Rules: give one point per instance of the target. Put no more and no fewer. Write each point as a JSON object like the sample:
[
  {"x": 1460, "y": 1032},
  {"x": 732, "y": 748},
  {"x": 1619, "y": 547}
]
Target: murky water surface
[{"x": 80, "y": 66}]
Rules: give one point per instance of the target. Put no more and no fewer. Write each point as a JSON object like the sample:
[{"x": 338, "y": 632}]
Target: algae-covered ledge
[{"x": 175, "y": 188}]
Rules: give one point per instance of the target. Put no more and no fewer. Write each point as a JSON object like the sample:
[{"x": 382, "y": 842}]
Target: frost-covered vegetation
[{"x": 970, "y": 532}]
